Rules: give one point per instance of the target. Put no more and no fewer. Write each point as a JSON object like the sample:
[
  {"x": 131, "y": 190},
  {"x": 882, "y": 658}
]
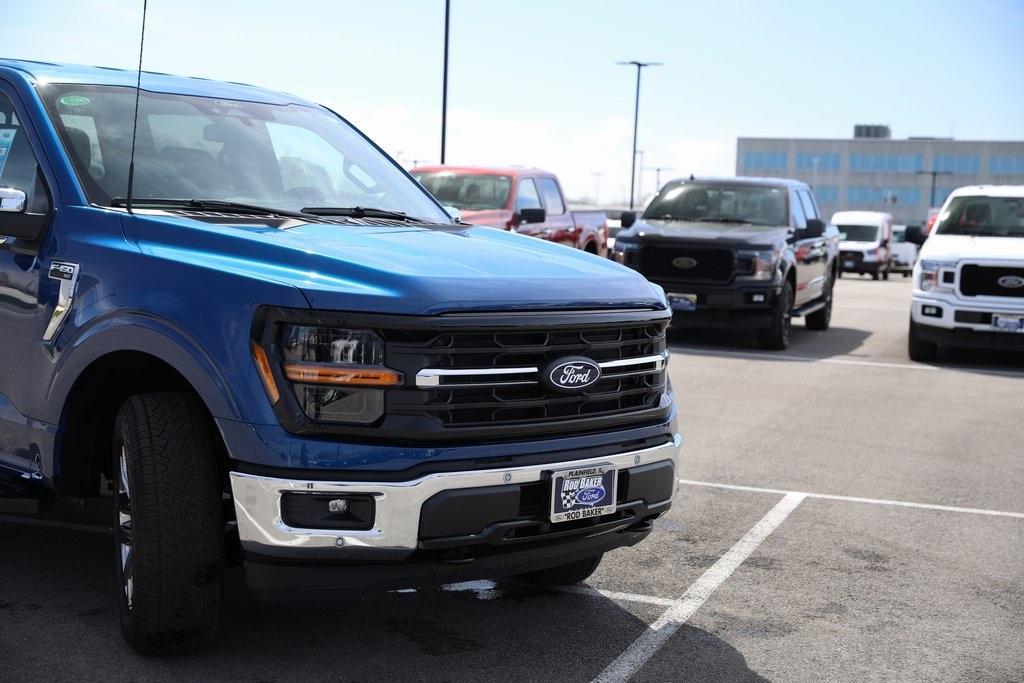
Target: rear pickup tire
[
  {"x": 775, "y": 337},
  {"x": 919, "y": 350},
  {"x": 564, "y": 575},
  {"x": 169, "y": 521}
]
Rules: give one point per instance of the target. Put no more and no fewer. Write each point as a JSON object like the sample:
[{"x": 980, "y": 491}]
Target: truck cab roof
[
  {"x": 744, "y": 180},
  {"x": 511, "y": 171},
  {"x": 36, "y": 73}
]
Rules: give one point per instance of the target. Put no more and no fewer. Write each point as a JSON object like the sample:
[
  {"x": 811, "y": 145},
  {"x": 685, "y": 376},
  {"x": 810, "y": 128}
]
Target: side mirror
[
  {"x": 627, "y": 219},
  {"x": 532, "y": 215},
  {"x": 12, "y": 201},
  {"x": 815, "y": 228},
  {"x": 915, "y": 235}
]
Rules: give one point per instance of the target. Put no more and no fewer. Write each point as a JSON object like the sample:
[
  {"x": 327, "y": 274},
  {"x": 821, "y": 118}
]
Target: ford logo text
[
  {"x": 569, "y": 374},
  {"x": 684, "y": 262},
  {"x": 1011, "y": 281}
]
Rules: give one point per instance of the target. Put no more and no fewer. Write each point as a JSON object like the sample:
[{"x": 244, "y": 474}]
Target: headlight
[
  {"x": 871, "y": 255},
  {"x": 626, "y": 252},
  {"x": 757, "y": 265},
  {"x": 931, "y": 277},
  {"x": 337, "y": 374}
]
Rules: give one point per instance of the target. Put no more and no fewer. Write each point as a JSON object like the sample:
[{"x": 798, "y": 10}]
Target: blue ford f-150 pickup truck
[{"x": 273, "y": 345}]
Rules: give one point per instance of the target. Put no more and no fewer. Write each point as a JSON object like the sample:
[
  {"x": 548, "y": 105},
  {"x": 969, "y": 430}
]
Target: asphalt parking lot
[{"x": 843, "y": 514}]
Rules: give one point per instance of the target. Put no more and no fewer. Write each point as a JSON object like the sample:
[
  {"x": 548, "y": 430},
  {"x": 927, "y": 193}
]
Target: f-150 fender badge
[{"x": 67, "y": 275}]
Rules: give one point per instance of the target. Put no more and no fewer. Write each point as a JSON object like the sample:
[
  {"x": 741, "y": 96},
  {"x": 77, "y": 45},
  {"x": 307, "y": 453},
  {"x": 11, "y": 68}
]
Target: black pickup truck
[{"x": 736, "y": 253}]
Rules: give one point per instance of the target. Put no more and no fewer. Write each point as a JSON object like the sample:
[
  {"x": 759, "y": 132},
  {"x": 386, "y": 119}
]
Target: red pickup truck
[{"x": 526, "y": 200}]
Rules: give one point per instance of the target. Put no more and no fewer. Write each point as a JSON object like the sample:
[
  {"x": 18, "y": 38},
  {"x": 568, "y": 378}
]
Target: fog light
[
  {"x": 338, "y": 506},
  {"x": 327, "y": 511},
  {"x": 757, "y": 298},
  {"x": 931, "y": 311}
]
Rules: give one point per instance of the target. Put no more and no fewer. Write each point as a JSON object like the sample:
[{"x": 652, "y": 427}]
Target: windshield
[
  {"x": 858, "y": 233},
  {"x": 725, "y": 203},
  {"x": 469, "y": 192},
  {"x": 282, "y": 156},
  {"x": 983, "y": 216}
]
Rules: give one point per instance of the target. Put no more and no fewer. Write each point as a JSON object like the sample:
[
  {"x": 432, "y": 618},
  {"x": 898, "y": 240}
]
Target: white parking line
[
  {"x": 857, "y": 499},
  {"x": 803, "y": 359},
  {"x": 617, "y": 596},
  {"x": 658, "y": 633}
]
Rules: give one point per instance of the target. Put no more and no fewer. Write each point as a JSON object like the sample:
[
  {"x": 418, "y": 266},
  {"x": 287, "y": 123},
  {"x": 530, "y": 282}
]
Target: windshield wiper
[
  {"x": 210, "y": 205},
  {"x": 360, "y": 212}
]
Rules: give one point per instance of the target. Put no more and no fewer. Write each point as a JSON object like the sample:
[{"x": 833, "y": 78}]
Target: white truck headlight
[{"x": 932, "y": 276}]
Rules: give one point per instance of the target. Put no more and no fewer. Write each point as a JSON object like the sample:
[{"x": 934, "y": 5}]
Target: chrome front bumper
[{"x": 396, "y": 522}]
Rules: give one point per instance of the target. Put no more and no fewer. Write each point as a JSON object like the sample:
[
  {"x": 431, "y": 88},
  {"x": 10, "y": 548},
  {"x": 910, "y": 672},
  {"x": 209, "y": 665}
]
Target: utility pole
[
  {"x": 444, "y": 86},
  {"x": 639, "y": 179},
  {"x": 417, "y": 162},
  {"x": 636, "y": 118}
]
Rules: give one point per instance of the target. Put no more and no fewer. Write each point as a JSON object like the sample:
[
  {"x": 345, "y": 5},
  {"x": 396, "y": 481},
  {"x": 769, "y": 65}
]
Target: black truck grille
[
  {"x": 977, "y": 280},
  {"x": 504, "y": 388},
  {"x": 855, "y": 256},
  {"x": 664, "y": 262}
]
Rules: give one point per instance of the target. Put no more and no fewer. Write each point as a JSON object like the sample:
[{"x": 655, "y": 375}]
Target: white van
[
  {"x": 969, "y": 279},
  {"x": 904, "y": 253},
  {"x": 866, "y": 238}
]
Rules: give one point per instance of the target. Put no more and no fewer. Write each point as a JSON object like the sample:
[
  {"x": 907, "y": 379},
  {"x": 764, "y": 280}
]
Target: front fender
[{"x": 135, "y": 331}]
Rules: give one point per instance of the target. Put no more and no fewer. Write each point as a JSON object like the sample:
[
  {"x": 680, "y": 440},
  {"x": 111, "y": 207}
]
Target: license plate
[
  {"x": 583, "y": 492},
  {"x": 848, "y": 264},
  {"x": 1008, "y": 323},
  {"x": 682, "y": 302}
]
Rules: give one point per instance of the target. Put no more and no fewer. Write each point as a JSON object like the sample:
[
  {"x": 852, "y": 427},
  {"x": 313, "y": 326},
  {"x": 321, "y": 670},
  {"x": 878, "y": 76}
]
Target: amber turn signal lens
[
  {"x": 341, "y": 376},
  {"x": 263, "y": 365}
]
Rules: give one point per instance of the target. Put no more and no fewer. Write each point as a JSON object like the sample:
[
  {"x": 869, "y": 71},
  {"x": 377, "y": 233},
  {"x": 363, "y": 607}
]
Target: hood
[
  {"x": 965, "y": 247},
  {"x": 846, "y": 245},
  {"x": 727, "y": 234},
  {"x": 493, "y": 218},
  {"x": 403, "y": 269}
]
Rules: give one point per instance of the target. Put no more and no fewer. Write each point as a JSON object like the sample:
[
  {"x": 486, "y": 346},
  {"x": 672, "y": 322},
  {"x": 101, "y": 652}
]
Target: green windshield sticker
[{"x": 74, "y": 100}]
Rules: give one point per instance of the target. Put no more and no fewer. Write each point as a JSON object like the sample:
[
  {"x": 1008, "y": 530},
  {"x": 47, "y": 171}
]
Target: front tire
[
  {"x": 564, "y": 575},
  {"x": 822, "y": 318},
  {"x": 169, "y": 521},
  {"x": 775, "y": 337},
  {"x": 919, "y": 350}
]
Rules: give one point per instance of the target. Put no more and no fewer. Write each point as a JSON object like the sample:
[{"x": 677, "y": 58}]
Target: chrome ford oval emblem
[
  {"x": 684, "y": 262},
  {"x": 571, "y": 374},
  {"x": 1011, "y": 281}
]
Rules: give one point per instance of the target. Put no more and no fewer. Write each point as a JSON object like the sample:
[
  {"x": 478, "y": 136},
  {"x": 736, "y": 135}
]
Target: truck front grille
[
  {"x": 978, "y": 280},
  {"x": 687, "y": 264},
  {"x": 490, "y": 379}
]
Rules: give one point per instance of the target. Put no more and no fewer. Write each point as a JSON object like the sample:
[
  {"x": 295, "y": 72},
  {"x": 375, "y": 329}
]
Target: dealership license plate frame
[
  {"x": 1013, "y": 324},
  {"x": 577, "y": 509},
  {"x": 682, "y": 301}
]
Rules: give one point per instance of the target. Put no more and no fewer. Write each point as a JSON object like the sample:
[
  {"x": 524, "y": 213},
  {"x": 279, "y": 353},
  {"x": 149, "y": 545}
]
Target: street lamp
[
  {"x": 444, "y": 86},
  {"x": 934, "y": 174},
  {"x": 636, "y": 116},
  {"x": 639, "y": 178}
]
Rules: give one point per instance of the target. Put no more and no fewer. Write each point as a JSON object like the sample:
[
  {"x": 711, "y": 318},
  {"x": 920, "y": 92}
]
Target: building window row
[
  {"x": 826, "y": 194},
  {"x": 808, "y": 161},
  {"x": 900, "y": 196},
  {"x": 961, "y": 164},
  {"x": 1006, "y": 165}
]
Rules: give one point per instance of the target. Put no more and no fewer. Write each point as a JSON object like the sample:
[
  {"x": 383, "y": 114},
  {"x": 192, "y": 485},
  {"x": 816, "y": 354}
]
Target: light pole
[
  {"x": 639, "y": 178},
  {"x": 636, "y": 117},
  {"x": 444, "y": 86},
  {"x": 657, "y": 174},
  {"x": 934, "y": 174},
  {"x": 597, "y": 186}
]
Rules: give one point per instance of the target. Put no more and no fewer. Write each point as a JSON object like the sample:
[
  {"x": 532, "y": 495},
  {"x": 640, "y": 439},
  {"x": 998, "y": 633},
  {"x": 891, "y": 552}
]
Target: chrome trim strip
[
  {"x": 396, "y": 526},
  {"x": 67, "y": 275},
  {"x": 626, "y": 362},
  {"x": 431, "y": 377}
]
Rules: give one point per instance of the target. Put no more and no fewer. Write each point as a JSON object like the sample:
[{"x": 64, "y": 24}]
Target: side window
[
  {"x": 799, "y": 216},
  {"x": 810, "y": 208},
  {"x": 18, "y": 167},
  {"x": 552, "y": 196},
  {"x": 527, "y": 197}
]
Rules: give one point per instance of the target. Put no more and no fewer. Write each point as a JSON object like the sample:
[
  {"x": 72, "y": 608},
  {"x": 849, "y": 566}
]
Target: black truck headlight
[
  {"x": 337, "y": 374},
  {"x": 759, "y": 265}
]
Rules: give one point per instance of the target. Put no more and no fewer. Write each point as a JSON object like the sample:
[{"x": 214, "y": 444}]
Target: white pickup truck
[{"x": 969, "y": 277}]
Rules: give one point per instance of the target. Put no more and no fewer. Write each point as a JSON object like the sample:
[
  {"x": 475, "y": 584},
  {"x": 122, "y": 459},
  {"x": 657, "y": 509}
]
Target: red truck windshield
[{"x": 469, "y": 192}]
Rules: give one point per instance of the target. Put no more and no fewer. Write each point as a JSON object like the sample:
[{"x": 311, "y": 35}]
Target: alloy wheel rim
[{"x": 124, "y": 528}]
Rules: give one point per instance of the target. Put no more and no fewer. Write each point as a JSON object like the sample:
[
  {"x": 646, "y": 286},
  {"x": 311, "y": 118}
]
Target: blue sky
[{"x": 534, "y": 82}]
